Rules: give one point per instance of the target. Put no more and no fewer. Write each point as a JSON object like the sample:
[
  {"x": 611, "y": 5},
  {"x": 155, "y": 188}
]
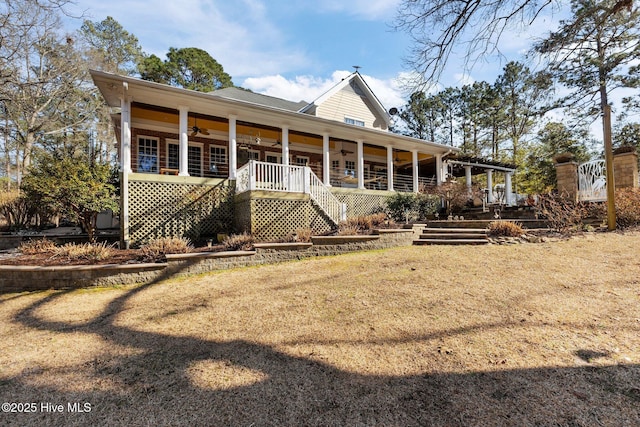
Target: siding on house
[{"x": 350, "y": 102}]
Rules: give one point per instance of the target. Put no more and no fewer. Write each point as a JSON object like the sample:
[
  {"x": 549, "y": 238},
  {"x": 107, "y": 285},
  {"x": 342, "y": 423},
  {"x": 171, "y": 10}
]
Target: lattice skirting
[
  {"x": 362, "y": 202},
  {"x": 200, "y": 210},
  {"x": 176, "y": 209},
  {"x": 270, "y": 216}
]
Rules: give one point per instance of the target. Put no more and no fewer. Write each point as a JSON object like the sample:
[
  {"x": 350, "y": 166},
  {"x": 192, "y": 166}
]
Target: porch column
[
  {"x": 125, "y": 165},
  {"x": 125, "y": 125},
  {"x": 233, "y": 147},
  {"x": 490, "y": 185},
  {"x": 389, "y": 168},
  {"x": 415, "y": 168},
  {"x": 285, "y": 145},
  {"x": 360, "y": 164},
  {"x": 184, "y": 141},
  {"x": 467, "y": 174},
  {"x": 326, "y": 161},
  {"x": 507, "y": 188},
  {"x": 439, "y": 174}
]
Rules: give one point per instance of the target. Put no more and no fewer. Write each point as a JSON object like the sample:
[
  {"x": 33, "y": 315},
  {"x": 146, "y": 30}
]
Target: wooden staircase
[{"x": 452, "y": 236}]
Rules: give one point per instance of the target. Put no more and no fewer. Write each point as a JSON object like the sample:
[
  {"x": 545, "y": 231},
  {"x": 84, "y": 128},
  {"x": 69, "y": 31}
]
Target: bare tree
[
  {"x": 44, "y": 84},
  {"x": 437, "y": 27}
]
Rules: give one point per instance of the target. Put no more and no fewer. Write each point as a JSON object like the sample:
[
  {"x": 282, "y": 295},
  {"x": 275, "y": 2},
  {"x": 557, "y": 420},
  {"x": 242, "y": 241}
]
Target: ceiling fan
[
  {"x": 278, "y": 141},
  {"x": 198, "y": 130},
  {"x": 343, "y": 152}
]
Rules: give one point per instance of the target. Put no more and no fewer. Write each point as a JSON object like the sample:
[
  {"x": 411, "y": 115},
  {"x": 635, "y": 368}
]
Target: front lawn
[{"x": 530, "y": 334}]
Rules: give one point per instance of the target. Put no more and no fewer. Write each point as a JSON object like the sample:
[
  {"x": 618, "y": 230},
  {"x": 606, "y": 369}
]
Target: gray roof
[{"x": 259, "y": 99}]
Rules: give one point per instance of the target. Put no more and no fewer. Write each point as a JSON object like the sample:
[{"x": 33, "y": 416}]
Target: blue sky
[{"x": 290, "y": 50}]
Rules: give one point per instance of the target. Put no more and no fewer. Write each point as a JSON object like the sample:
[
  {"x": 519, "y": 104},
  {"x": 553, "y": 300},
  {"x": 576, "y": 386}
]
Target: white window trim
[
  {"x": 273, "y": 154},
  {"x": 306, "y": 163},
  {"x": 254, "y": 152},
  {"x": 151, "y": 138},
  {"x": 356, "y": 122},
  {"x": 221, "y": 147},
  {"x": 201, "y": 145},
  {"x": 191, "y": 144}
]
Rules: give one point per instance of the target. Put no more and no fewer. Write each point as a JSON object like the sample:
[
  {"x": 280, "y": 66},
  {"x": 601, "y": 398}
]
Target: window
[
  {"x": 273, "y": 158},
  {"x": 254, "y": 155},
  {"x": 147, "y": 155},
  {"x": 335, "y": 164},
  {"x": 218, "y": 154},
  {"x": 194, "y": 158},
  {"x": 350, "y": 167},
  {"x": 218, "y": 157},
  {"x": 302, "y": 160},
  {"x": 173, "y": 156},
  {"x": 356, "y": 122}
]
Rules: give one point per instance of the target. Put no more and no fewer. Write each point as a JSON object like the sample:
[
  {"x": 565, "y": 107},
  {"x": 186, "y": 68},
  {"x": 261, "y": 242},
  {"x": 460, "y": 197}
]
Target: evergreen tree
[
  {"x": 189, "y": 68},
  {"x": 539, "y": 174},
  {"x": 109, "y": 47}
]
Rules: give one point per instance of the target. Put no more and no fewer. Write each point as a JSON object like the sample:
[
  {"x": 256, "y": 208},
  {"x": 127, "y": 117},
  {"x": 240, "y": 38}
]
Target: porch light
[{"x": 214, "y": 168}]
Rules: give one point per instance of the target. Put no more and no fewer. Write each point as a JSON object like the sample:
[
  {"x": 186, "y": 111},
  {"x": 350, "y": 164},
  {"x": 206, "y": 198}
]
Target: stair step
[
  {"x": 451, "y": 242},
  {"x": 445, "y": 231},
  {"x": 444, "y": 236}
]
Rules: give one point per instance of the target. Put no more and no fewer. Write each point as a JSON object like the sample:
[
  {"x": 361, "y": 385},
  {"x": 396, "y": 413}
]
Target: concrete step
[
  {"x": 481, "y": 224},
  {"x": 446, "y": 231},
  {"x": 445, "y": 236},
  {"x": 451, "y": 242}
]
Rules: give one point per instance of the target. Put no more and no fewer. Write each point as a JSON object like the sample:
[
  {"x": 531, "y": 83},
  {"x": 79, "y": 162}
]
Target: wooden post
[{"x": 608, "y": 157}]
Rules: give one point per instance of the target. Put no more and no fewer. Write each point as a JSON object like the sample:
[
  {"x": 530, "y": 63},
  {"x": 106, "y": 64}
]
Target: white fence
[{"x": 291, "y": 179}]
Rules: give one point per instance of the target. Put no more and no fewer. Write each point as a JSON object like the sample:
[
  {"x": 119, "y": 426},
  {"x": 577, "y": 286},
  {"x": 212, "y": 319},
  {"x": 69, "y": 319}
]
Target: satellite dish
[{"x": 393, "y": 111}]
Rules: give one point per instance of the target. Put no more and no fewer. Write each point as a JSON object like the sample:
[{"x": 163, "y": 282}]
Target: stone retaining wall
[{"x": 25, "y": 278}]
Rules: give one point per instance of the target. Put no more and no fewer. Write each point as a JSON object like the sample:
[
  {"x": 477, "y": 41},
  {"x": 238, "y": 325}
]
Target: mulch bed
[{"x": 119, "y": 256}]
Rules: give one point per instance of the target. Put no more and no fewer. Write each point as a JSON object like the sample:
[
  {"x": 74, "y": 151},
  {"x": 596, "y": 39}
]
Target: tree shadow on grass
[{"x": 156, "y": 384}]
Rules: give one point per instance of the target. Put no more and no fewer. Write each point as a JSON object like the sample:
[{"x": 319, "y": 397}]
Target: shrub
[
  {"x": 628, "y": 207},
  {"x": 455, "y": 195},
  {"x": 302, "y": 235},
  {"x": 563, "y": 214},
  {"x": 347, "y": 230},
  {"x": 88, "y": 251},
  {"x": 38, "y": 246},
  {"x": 427, "y": 204},
  {"x": 505, "y": 228},
  {"x": 156, "y": 249},
  {"x": 238, "y": 242},
  {"x": 17, "y": 209},
  {"x": 402, "y": 206},
  {"x": 365, "y": 222}
]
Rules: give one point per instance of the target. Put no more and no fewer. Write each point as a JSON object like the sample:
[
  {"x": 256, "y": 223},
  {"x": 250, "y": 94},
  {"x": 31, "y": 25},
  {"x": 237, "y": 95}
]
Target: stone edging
[{"x": 32, "y": 278}]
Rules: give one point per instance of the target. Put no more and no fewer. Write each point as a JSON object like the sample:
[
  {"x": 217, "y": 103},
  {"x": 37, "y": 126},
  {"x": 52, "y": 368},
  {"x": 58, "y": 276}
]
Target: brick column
[
  {"x": 625, "y": 170},
  {"x": 567, "y": 179}
]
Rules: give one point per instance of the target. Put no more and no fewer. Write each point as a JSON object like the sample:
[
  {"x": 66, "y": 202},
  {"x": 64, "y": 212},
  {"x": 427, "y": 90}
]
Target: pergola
[{"x": 469, "y": 166}]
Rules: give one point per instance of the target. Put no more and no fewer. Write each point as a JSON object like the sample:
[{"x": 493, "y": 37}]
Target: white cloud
[
  {"x": 463, "y": 79},
  {"x": 240, "y": 37},
  {"x": 307, "y": 88}
]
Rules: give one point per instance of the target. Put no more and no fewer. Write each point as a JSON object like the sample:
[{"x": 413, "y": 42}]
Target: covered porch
[{"x": 209, "y": 146}]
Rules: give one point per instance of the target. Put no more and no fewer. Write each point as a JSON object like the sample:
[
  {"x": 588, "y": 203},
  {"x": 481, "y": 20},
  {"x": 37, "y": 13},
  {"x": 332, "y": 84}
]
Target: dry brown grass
[{"x": 544, "y": 334}]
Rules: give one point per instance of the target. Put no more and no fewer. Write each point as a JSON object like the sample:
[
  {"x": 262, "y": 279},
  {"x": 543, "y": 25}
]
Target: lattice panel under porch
[
  {"x": 165, "y": 209},
  {"x": 319, "y": 221},
  {"x": 273, "y": 219},
  {"x": 361, "y": 203}
]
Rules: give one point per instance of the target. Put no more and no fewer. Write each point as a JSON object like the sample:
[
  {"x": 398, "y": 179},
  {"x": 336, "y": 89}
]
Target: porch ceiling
[{"x": 115, "y": 87}]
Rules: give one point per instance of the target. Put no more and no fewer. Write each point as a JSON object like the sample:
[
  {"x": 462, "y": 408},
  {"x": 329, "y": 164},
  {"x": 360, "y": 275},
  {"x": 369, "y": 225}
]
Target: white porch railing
[{"x": 291, "y": 179}]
